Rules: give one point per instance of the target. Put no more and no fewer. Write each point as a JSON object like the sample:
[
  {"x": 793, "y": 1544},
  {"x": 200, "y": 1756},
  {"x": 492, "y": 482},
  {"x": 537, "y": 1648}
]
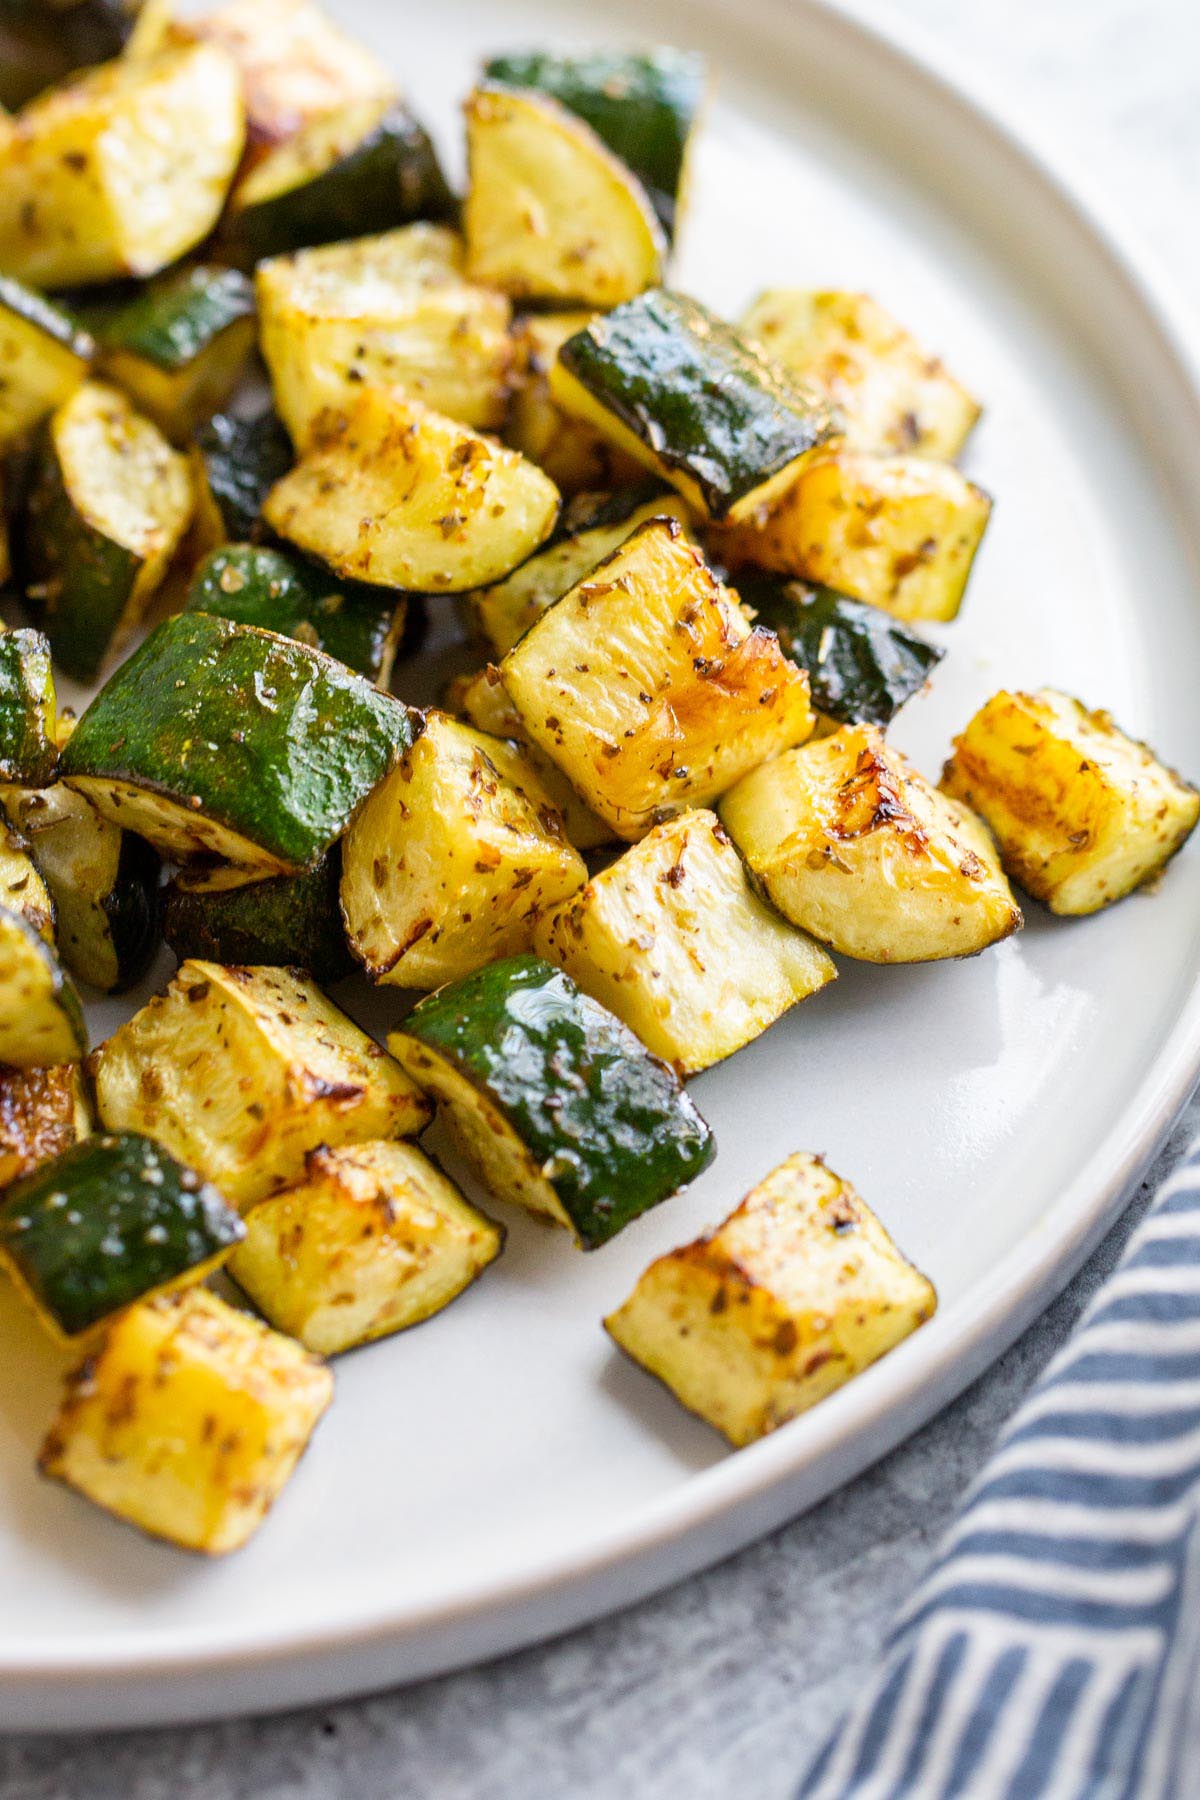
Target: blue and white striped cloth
[{"x": 1053, "y": 1650}]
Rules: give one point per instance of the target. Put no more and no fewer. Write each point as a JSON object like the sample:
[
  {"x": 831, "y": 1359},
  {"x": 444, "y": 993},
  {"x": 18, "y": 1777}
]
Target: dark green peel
[
  {"x": 292, "y": 920},
  {"x": 243, "y": 459},
  {"x": 171, "y": 321},
  {"x": 28, "y": 709}
]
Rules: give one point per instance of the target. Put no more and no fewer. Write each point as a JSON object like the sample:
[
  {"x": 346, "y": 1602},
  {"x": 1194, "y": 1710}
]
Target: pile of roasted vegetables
[{"x": 690, "y": 555}]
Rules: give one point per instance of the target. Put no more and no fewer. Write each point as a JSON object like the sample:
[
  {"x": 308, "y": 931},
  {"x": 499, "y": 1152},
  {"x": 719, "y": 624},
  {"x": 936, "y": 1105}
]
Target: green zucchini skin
[
  {"x": 171, "y": 321},
  {"x": 392, "y": 177},
  {"x": 46, "y": 315},
  {"x": 706, "y": 404},
  {"x": 132, "y": 909},
  {"x": 581, "y": 1091},
  {"x": 271, "y": 740},
  {"x": 40, "y": 44},
  {"x": 642, "y": 104},
  {"x": 28, "y": 709},
  {"x": 107, "y": 1222},
  {"x": 281, "y": 592},
  {"x": 862, "y": 663},
  {"x": 243, "y": 459},
  {"x": 286, "y": 920}
]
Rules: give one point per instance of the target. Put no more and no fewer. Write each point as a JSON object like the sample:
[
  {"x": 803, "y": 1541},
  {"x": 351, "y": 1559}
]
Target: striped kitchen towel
[{"x": 1053, "y": 1650}]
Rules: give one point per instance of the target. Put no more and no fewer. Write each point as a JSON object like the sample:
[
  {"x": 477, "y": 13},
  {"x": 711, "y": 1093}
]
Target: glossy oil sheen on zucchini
[
  {"x": 28, "y": 709},
  {"x": 244, "y": 456}
]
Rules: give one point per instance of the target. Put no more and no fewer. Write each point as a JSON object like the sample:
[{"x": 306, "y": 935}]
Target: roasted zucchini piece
[
  {"x": 104, "y": 883},
  {"x": 107, "y": 504},
  {"x": 22, "y": 888},
  {"x": 1082, "y": 813},
  {"x": 673, "y": 940},
  {"x": 372, "y": 1240},
  {"x": 42, "y": 1112},
  {"x": 862, "y": 664},
  {"x": 281, "y": 592},
  {"x": 188, "y": 1420},
  {"x": 394, "y": 494},
  {"x": 110, "y": 1221},
  {"x": 42, "y": 41},
  {"x": 216, "y": 739},
  {"x": 793, "y": 1295},
  {"x": 294, "y": 62},
  {"x": 448, "y": 862},
  {"x": 285, "y": 919},
  {"x": 367, "y": 167},
  {"x": 240, "y": 1072},
  {"x": 28, "y": 709},
  {"x": 643, "y": 104},
  {"x": 180, "y": 346},
  {"x": 483, "y": 702},
  {"x": 854, "y": 846},
  {"x": 899, "y": 532},
  {"x": 243, "y": 458},
  {"x": 390, "y": 311},
  {"x": 41, "y": 1020},
  {"x": 553, "y": 1102},
  {"x": 575, "y": 456},
  {"x": 45, "y": 355},
  {"x": 502, "y": 614},
  {"x": 888, "y": 392},
  {"x": 122, "y": 171},
  {"x": 648, "y": 686},
  {"x": 677, "y": 388},
  {"x": 550, "y": 213}
]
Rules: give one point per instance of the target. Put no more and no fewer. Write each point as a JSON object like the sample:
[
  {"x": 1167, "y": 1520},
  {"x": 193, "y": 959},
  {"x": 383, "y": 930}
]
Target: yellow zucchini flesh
[
  {"x": 392, "y": 493},
  {"x": 550, "y": 213},
  {"x": 44, "y": 357},
  {"x": 121, "y": 171},
  {"x": 852, "y": 844},
  {"x": 1082, "y": 813},
  {"x": 790, "y": 1297},
  {"x": 578, "y": 458},
  {"x": 649, "y": 687},
  {"x": 42, "y": 1112}
]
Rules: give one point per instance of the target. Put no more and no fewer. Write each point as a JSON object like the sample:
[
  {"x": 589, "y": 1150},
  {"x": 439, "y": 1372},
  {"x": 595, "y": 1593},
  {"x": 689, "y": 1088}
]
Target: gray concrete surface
[{"x": 725, "y": 1685}]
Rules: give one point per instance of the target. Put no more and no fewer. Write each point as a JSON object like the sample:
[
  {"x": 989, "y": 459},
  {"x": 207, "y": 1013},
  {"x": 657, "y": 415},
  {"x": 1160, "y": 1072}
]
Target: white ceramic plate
[{"x": 501, "y": 1474}]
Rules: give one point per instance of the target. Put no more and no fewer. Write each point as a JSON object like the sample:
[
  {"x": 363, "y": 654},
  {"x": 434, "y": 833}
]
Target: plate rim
[{"x": 54, "y": 1686}]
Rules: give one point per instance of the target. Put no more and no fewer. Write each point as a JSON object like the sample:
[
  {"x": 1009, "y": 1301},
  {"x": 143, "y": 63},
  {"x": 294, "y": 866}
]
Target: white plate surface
[{"x": 500, "y": 1473}]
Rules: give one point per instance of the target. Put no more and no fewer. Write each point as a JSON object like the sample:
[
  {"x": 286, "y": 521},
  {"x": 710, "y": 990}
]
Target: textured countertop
[{"x": 728, "y": 1683}]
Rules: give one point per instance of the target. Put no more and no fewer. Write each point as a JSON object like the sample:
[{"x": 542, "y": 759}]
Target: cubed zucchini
[
  {"x": 42, "y": 1112},
  {"x": 450, "y": 859},
  {"x": 854, "y": 846},
  {"x": 372, "y": 1240},
  {"x": 575, "y": 456},
  {"x": 649, "y": 687},
  {"x": 45, "y": 355},
  {"x": 862, "y": 664},
  {"x": 180, "y": 345},
  {"x": 394, "y": 494},
  {"x": 41, "y": 1020},
  {"x": 22, "y": 887},
  {"x": 389, "y": 311},
  {"x": 121, "y": 171},
  {"x": 673, "y": 940},
  {"x": 188, "y": 1420},
  {"x": 1083, "y": 814},
  {"x": 285, "y": 919},
  {"x": 216, "y": 739},
  {"x": 284, "y": 593},
  {"x": 643, "y": 104},
  {"x": 888, "y": 392},
  {"x": 110, "y": 1221},
  {"x": 550, "y": 213},
  {"x": 243, "y": 458},
  {"x": 367, "y": 167},
  {"x": 677, "y": 388},
  {"x": 107, "y": 504},
  {"x": 553, "y": 1102},
  {"x": 240, "y": 1072},
  {"x": 899, "y": 532},
  {"x": 794, "y": 1294},
  {"x": 42, "y": 42},
  {"x": 28, "y": 709},
  {"x": 483, "y": 702},
  {"x": 294, "y": 62},
  {"x": 104, "y": 883},
  {"x": 503, "y": 613}
]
